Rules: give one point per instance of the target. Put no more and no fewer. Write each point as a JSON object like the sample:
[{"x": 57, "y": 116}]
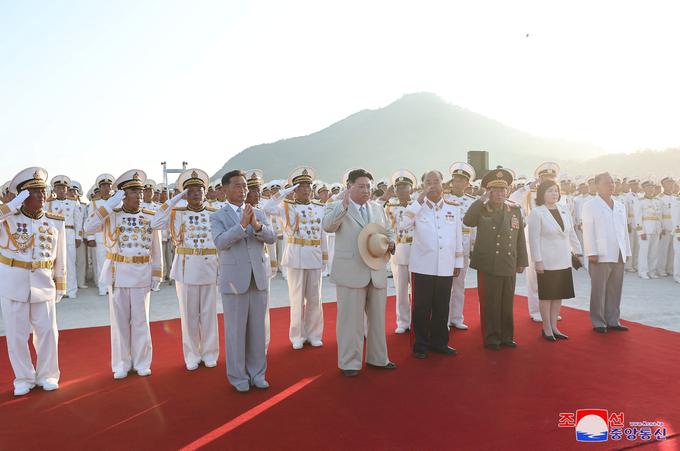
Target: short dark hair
[
  {"x": 226, "y": 178},
  {"x": 542, "y": 188},
  {"x": 356, "y": 173}
]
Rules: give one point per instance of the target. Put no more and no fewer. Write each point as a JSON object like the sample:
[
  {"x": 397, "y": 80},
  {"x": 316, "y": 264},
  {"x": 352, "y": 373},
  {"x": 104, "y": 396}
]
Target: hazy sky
[{"x": 102, "y": 86}]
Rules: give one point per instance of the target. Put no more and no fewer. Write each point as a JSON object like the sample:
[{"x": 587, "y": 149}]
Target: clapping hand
[
  {"x": 257, "y": 226},
  {"x": 247, "y": 215}
]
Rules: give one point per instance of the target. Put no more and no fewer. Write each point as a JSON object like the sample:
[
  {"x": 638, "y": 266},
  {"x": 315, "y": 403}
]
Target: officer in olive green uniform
[{"x": 499, "y": 254}]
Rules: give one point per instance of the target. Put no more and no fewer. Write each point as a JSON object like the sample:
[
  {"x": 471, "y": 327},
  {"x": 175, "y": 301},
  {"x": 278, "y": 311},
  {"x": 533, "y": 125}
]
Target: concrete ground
[{"x": 650, "y": 302}]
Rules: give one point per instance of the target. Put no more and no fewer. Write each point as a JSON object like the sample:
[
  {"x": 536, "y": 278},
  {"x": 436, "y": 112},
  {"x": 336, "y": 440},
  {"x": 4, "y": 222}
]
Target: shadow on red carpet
[{"x": 477, "y": 400}]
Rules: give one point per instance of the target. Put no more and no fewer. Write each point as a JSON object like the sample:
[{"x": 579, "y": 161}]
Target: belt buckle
[{"x": 196, "y": 251}]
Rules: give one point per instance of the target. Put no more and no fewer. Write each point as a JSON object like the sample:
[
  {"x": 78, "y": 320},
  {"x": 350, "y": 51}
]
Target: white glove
[
  {"x": 175, "y": 200},
  {"x": 15, "y": 203},
  {"x": 116, "y": 199},
  {"x": 287, "y": 191}
]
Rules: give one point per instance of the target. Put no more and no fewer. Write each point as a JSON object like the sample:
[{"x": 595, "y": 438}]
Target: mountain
[
  {"x": 643, "y": 163},
  {"x": 419, "y": 132}
]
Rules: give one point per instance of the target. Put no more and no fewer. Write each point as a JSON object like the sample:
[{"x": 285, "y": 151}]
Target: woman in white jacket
[{"x": 552, "y": 240}]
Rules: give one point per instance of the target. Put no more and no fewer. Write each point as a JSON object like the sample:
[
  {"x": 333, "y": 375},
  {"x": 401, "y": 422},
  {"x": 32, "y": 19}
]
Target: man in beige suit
[{"x": 359, "y": 288}]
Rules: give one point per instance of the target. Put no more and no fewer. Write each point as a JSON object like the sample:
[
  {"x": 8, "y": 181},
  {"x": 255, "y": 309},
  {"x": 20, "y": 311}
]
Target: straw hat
[{"x": 373, "y": 244}]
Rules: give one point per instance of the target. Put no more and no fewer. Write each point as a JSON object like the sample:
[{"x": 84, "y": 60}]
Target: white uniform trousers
[
  {"x": 458, "y": 295},
  {"x": 664, "y": 259},
  {"x": 281, "y": 244},
  {"x": 71, "y": 273},
  {"x": 22, "y": 318},
  {"x": 130, "y": 331},
  {"x": 100, "y": 254},
  {"x": 402, "y": 281},
  {"x": 676, "y": 259},
  {"x": 168, "y": 257},
  {"x": 306, "y": 312},
  {"x": 81, "y": 264},
  {"x": 632, "y": 262},
  {"x": 648, "y": 252},
  {"x": 198, "y": 314},
  {"x": 331, "y": 253}
]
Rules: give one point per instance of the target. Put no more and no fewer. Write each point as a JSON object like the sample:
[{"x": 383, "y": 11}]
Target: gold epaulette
[
  {"x": 510, "y": 203},
  {"x": 452, "y": 202},
  {"x": 210, "y": 209},
  {"x": 148, "y": 212},
  {"x": 56, "y": 216},
  {"x": 180, "y": 208},
  {"x": 318, "y": 202},
  {"x": 117, "y": 209},
  {"x": 287, "y": 201}
]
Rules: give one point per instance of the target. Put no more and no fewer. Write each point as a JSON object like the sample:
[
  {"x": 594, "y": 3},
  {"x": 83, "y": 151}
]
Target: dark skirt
[{"x": 557, "y": 284}]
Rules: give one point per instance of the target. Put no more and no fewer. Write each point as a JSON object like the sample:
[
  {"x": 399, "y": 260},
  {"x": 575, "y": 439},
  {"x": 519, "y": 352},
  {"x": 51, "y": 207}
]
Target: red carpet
[{"x": 477, "y": 400}]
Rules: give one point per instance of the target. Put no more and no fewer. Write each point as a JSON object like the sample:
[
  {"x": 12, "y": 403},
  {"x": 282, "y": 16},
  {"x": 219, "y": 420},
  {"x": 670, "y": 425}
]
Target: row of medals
[
  {"x": 198, "y": 229},
  {"x": 46, "y": 238},
  {"x": 135, "y": 232},
  {"x": 312, "y": 228}
]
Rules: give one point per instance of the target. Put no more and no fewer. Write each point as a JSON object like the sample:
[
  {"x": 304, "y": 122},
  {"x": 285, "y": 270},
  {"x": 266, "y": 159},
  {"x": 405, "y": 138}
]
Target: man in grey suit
[
  {"x": 360, "y": 289},
  {"x": 240, "y": 233}
]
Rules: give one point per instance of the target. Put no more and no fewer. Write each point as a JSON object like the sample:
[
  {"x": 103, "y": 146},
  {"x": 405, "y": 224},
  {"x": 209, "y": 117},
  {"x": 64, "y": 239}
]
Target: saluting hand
[{"x": 345, "y": 199}]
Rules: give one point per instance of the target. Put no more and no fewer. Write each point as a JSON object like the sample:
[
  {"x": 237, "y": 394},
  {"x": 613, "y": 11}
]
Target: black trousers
[
  {"x": 431, "y": 295},
  {"x": 496, "y": 294}
]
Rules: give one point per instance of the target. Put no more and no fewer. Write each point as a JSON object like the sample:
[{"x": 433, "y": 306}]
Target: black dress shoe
[
  {"x": 350, "y": 373},
  {"x": 600, "y": 330},
  {"x": 493, "y": 346},
  {"x": 619, "y": 328},
  {"x": 446, "y": 351},
  {"x": 419, "y": 355},
  {"x": 548, "y": 337},
  {"x": 509, "y": 344},
  {"x": 560, "y": 336},
  {"x": 387, "y": 366}
]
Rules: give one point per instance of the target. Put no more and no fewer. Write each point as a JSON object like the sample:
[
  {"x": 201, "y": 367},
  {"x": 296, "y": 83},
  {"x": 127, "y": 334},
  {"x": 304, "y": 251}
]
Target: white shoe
[
  {"x": 631, "y": 270},
  {"x": 103, "y": 293},
  {"x": 654, "y": 276},
  {"x": 23, "y": 389},
  {"x": 460, "y": 326},
  {"x": 677, "y": 280},
  {"x": 644, "y": 276},
  {"x": 144, "y": 372},
  {"x": 400, "y": 330},
  {"x": 83, "y": 287},
  {"x": 210, "y": 364},
  {"x": 120, "y": 375},
  {"x": 559, "y": 317},
  {"x": 192, "y": 367},
  {"x": 663, "y": 274},
  {"x": 297, "y": 344},
  {"x": 316, "y": 343},
  {"x": 50, "y": 386},
  {"x": 536, "y": 319}
]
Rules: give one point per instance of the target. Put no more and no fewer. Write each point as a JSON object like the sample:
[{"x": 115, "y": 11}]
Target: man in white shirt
[
  {"x": 436, "y": 258},
  {"x": 607, "y": 246}
]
